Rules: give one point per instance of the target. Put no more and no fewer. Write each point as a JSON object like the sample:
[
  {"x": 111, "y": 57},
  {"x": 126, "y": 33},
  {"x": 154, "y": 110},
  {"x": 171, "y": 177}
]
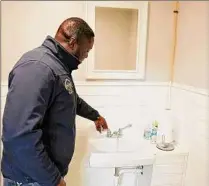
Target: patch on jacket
[{"x": 69, "y": 86}]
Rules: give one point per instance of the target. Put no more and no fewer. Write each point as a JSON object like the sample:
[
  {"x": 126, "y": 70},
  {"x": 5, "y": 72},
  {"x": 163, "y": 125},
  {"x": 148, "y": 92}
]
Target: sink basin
[
  {"x": 112, "y": 152},
  {"x": 114, "y": 145},
  {"x": 110, "y": 160}
]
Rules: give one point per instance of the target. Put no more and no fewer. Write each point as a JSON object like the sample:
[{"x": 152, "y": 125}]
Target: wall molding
[
  {"x": 193, "y": 89},
  {"x": 203, "y": 92},
  {"x": 107, "y": 88},
  {"x": 111, "y": 83},
  {"x": 121, "y": 83}
]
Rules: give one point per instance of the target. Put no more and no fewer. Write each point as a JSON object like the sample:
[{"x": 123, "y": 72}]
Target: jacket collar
[{"x": 61, "y": 53}]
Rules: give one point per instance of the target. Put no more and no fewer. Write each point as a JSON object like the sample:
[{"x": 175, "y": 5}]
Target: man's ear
[{"x": 72, "y": 43}]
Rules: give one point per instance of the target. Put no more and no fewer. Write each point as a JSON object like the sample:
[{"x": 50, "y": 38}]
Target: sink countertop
[{"x": 141, "y": 156}]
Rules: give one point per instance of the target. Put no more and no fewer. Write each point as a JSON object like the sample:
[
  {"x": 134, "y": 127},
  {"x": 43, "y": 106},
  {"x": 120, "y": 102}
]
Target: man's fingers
[
  {"x": 104, "y": 124},
  {"x": 98, "y": 127},
  {"x": 101, "y": 124}
]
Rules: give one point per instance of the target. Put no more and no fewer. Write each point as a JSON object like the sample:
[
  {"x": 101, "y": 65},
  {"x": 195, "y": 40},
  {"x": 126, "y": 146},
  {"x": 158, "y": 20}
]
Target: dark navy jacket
[{"x": 39, "y": 116}]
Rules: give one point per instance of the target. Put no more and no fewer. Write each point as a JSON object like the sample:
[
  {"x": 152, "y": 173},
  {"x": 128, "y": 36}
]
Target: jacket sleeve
[
  {"x": 85, "y": 110},
  {"x": 30, "y": 89}
]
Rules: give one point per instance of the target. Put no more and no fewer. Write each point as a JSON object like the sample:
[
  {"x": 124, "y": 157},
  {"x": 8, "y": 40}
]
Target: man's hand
[
  {"x": 101, "y": 124},
  {"x": 62, "y": 182}
]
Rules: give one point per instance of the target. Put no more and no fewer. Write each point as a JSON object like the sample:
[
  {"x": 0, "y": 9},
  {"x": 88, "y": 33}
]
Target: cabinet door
[{"x": 120, "y": 39}]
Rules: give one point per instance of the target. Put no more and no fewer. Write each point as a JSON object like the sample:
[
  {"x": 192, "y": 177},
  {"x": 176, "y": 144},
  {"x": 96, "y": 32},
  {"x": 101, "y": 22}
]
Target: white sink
[
  {"x": 111, "y": 160},
  {"x": 127, "y": 152},
  {"x": 114, "y": 145},
  {"x": 110, "y": 152}
]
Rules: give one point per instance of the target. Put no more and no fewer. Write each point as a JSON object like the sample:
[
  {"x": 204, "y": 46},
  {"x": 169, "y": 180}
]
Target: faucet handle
[{"x": 109, "y": 133}]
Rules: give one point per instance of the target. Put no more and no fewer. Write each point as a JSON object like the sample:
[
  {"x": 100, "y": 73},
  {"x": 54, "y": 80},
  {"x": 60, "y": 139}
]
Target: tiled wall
[
  {"x": 191, "y": 108},
  {"x": 139, "y": 104},
  {"x": 120, "y": 104}
]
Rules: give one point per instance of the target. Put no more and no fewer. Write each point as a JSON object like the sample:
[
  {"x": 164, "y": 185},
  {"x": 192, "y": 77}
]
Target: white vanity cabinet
[{"x": 169, "y": 169}]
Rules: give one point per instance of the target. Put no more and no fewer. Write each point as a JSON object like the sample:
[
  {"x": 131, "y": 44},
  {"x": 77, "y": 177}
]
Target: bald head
[
  {"x": 76, "y": 36},
  {"x": 74, "y": 27}
]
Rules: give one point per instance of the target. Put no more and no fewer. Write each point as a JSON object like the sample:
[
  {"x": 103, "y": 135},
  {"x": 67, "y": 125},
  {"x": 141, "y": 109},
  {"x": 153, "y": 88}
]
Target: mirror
[
  {"x": 120, "y": 30},
  {"x": 116, "y": 38}
]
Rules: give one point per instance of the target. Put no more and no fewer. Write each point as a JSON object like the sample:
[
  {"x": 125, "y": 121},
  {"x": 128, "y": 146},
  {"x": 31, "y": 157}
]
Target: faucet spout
[
  {"x": 127, "y": 126},
  {"x": 117, "y": 133},
  {"x": 120, "y": 131}
]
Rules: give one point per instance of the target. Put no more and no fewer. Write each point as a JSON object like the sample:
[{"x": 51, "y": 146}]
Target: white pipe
[
  {"x": 119, "y": 177},
  {"x": 116, "y": 180},
  {"x": 176, "y": 10}
]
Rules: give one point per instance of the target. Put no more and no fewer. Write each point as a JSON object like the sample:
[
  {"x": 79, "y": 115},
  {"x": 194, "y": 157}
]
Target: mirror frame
[{"x": 139, "y": 72}]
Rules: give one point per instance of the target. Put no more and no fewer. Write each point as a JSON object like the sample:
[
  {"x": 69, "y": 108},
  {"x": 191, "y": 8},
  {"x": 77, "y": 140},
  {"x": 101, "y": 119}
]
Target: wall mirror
[{"x": 120, "y": 29}]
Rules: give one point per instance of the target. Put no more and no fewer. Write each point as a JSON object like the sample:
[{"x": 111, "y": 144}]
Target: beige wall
[
  {"x": 120, "y": 27},
  {"x": 192, "y": 56},
  {"x": 26, "y": 24}
]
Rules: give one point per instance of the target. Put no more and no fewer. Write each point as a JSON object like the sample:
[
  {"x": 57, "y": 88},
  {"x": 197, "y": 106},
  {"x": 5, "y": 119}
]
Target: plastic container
[
  {"x": 147, "y": 133},
  {"x": 154, "y": 132}
]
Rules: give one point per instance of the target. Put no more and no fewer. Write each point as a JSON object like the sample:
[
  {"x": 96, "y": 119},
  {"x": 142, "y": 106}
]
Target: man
[{"x": 41, "y": 106}]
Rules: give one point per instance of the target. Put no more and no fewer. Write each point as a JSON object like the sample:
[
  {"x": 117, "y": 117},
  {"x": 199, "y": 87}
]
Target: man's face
[{"x": 82, "y": 48}]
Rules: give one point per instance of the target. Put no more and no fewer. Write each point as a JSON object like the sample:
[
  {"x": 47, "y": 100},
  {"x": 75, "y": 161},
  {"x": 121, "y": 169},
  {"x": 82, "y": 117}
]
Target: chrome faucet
[{"x": 118, "y": 133}]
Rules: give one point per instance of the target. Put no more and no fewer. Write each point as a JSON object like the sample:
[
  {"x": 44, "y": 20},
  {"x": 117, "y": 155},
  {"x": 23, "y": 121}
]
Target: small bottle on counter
[
  {"x": 147, "y": 133},
  {"x": 154, "y": 132}
]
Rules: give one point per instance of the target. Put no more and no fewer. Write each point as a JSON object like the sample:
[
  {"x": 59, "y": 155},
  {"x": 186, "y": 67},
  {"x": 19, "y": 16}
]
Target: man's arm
[
  {"x": 85, "y": 110},
  {"x": 30, "y": 88}
]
